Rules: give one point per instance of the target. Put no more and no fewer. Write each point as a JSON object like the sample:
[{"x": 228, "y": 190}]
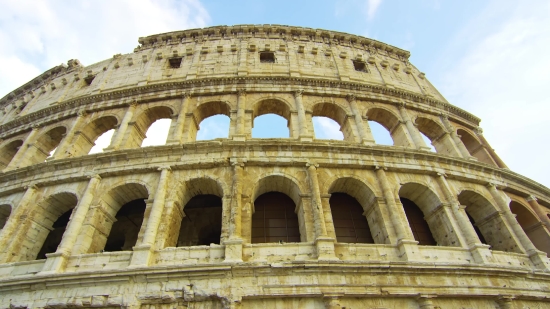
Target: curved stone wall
[{"x": 191, "y": 223}]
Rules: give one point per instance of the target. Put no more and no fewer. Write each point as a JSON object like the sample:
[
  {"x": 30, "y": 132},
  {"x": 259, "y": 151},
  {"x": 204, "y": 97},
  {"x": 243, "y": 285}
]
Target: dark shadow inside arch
[
  {"x": 8, "y": 152},
  {"x": 56, "y": 234},
  {"x": 531, "y": 226},
  {"x": 5, "y": 211},
  {"x": 202, "y": 224},
  {"x": 124, "y": 232},
  {"x": 419, "y": 226},
  {"x": 275, "y": 219},
  {"x": 350, "y": 225}
]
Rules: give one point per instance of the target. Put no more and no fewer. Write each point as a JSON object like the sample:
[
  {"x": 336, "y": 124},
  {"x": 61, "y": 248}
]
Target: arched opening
[
  {"x": 8, "y": 152},
  {"x": 350, "y": 226},
  {"x": 392, "y": 124},
  {"x": 211, "y": 120},
  {"x": 46, "y": 226},
  {"x": 5, "y": 211},
  {"x": 275, "y": 219},
  {"x": 216, "y": 126},
  {"x": 126, "y": 205},
  {"x": 380, "y": 134},
  {"x": 139, "y": 130},
  {"x": 435, "y": 136},
  {"x": 428, "y": 221},
  {"x": 157, "y": 133},
  {"x": 125, "y": 230},
  {"x": 330, "y": 122},
  {"x": 271, "y": 119},
  {"x": 475, "y": 148},
  {"x": 95, "y": 136},
  {"x": 46, "y": 144},
  {"x": 489, "y": 222},
  {"x": 202, "y": 224},
  {"x": 531, "y": 226}
]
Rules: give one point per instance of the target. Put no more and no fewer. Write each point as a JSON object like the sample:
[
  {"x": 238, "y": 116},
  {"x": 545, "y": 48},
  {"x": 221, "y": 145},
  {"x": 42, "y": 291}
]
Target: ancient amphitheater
[{"x": 244, "y": 222}]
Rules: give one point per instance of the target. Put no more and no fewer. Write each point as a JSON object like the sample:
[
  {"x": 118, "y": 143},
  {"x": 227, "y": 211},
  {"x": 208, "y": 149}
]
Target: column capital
[
  {"x": 312, "y": 164},
  {"x": 298, "y": 93},
  {"x": 186, "y": 95},
  {"x": 94, "y": 176},
  {"x": 133, "y": 104},
  {"x": 35, "y": 127},
  {"x": 162, "y": 168},
  {"x": 441, "y": 174},
  {"x": 531, "y": 198},
  {"x": 478, "y": 130},
  {"x": 351, "y": 97},
  {"x": 81, "y": 113},
  {"x": 401, "y": 105},
  {"x": 32, "y": 186},
  {"x": 380, "y": 167},
  {"x": 241, "y": 92}
]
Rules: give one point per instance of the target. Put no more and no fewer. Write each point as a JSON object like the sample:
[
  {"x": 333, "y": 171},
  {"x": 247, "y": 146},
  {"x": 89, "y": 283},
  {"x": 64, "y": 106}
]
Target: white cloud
[
  {"x": 326, "y": 128},
  {"x": 37, "y": 35},
  {"x": 503, "y": 78},
  {"x": 372, "y": 8},
  {"x": 214, "y": 127}
]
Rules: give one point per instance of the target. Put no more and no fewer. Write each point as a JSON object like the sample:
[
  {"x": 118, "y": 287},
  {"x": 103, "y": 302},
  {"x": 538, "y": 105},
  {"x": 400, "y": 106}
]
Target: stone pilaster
[
  {"x": 180, "y": 121},
  {"x": 364, "y": 133},
  {"x": 240, "y": 134},
  {"x": 454, "y": 136},
  {"x": 485, "y": 143},
  {"x": 233, "y": 245},
  {"x": 116, "y": 141},
  {"x": 305, "y": 136},
  {"x": 413, "y": 130},
  {"x": 532, "y": 200},
  {"x": 61, "y": 151},
  {"x": 19, "y": 157}
]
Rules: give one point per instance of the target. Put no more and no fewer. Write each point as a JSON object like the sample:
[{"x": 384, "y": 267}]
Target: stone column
[
  {"x": 405, "y": 240},
  {"x": 57, "y": 261},
  {"x": 425, "y": 301},
  {"x": 142, "y": 252},
  {"x": 61, "y": 151},
  {"x": 304, "y": 134},
  {"x": 234, "y": 243},
  {"x": 538, "y": 258},
  {"x": 180, "y": 121},
  {"x": 498, "y": 161},
  {"x": 505, "y": 302},
  {"x": 458, "y": 142},
  {"x": 121, "y": 131},
  {"x": 7, "y": 233},
  {"x": 22, "y": 150},
  {"x": 479, "y": 251},
  {"x": 532, "y": 200},
  {"x": 240, "y": 135},
  {"x": 413, "y": 130},
  {"x": 364, "y": 134}
]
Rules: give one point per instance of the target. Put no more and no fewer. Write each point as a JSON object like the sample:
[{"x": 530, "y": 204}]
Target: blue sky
[{"x": 487, "y": 57}]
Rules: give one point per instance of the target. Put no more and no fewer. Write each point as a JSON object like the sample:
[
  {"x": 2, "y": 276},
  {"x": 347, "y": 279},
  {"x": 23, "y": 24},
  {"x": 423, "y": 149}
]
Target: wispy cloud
[
  {"x": 372, "y": 8},
  {"x": 326, "y": 128}
]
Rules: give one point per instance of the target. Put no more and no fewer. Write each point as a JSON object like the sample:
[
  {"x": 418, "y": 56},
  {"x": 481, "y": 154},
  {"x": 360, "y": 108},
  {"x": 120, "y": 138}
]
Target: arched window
[
  {"x": 493, "y": 228},
  {"x": 531, "y": 226},
  {"x": 56, "y": 234},
  {"x": 95, "y": 136},
  {"x": 45, "y": 145},
  {"x": 5, "y": 211},
  {"x": 125, "y": 230},
  {"x": 274, "y": 219},
  {"x": 435, "y": 136},
  {"x": 391, "y": 123},
  {"x": 419, "y": 226},
  {"x": 349, "y": 223},
  {"x": 380, "y": 134},
  {"x": 157, "y": 133},
  {"x": 102, "y": 142},
  {"x": 326, "y": 128},
  {"x": 271, "y": 119},
  {"x": 202, "y": 224},
  {"x": 331, "y": 122},
  {"x": 216, "y": 126},
  {"x": 8, "y": 152},
  {"x": 475, "y": 148}
]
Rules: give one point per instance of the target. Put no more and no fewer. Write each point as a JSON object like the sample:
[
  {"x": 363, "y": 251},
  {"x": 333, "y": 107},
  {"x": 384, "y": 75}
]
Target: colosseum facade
[{"x": 243, "y": 222}]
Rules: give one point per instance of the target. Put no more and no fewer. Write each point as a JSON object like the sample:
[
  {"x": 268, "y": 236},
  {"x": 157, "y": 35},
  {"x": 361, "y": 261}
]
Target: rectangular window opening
[
  {"x": 267, "y": 57},
  {"x": 175, "y": 62},
  {"x": 360, "y": 66}
]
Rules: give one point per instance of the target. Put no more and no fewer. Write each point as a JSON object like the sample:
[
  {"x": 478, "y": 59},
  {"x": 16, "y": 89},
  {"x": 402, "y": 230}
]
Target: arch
[
  {"x": 8, "y": 152},
  {"x": 272, "y": 106},
  {"x": 475, "y": 147},
  {"x": 426, "y": 218},
  {"x": 278, "y": 183},
  {"x": 5, "y": 212},
  {"x": 531, "y": 225},
  {"x": 489, "y": 221},
  {"x": 45, "y": 226},
  {"x": 391, "y": 123},
  {"x": 437, "y": 135},
  {"x": 85, "y": 139},
  {"x": 336, "y": 113},
  {"x": 116, "y": 223},
  {"x": 138, "y": 128},
  {"x": 204, "y": 111},
  {"x": 45, "y": 144}
]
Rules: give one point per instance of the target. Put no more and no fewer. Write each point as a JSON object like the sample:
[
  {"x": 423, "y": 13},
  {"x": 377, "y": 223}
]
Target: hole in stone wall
[
  {"x": 419, "y": 226},
  {"x": 274, "y": 219},
  {"x": 267, "y": 57},
  {"x": 202, "y": 224},
  {"x": 54, "y": 236},
  {"x": 175, "y": 62},
  {"x": 103, "y": 141},
  {"x": 381, "y": 135},
  {"x": 350, "y": 225},
  {"x": 326, "y": 128},
  {"x": 360, "y": 66},
  {"x": 270, "y": 126},
  {"x": 157, "y": 133},
  {"x": 125, "y": 230},
  {"x": 216, "y": 126}
]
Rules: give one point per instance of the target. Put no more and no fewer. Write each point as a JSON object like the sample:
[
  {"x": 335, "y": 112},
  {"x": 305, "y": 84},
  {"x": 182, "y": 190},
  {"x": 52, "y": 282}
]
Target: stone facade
[{"x": 184, "y": 225}]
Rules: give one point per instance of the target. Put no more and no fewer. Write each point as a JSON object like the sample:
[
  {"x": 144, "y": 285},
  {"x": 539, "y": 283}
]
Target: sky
[{"x": 487, "y": 57}]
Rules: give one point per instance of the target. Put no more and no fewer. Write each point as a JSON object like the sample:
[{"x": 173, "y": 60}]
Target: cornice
[{"x": 204, "y": 87}]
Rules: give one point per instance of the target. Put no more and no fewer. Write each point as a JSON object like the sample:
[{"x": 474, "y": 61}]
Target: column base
[
  {"x": 306, "y": 138},
  {"x": 233, "y": 250},
  {"x": 408, "y": 250},
  {"x": 141, "y": 256},
  {"x": 539, "y": 259},
  {"x": 325, "y": 249},
  {"x": 425, "y": 148},
  {"x": 55, "y": 263},
  {"x": 481, "y": 253},
  {"x": 239, "y": 138}
]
